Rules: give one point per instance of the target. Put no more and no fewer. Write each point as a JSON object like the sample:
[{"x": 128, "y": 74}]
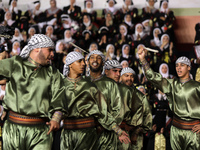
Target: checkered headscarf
[
  {"x": 98, "y": 53},
  {"x": 110, "y": 64},
  {"x": 36, "y": 41},
  {"x": 183, "y": 60},
  {"x": 71, "y": 57},
  {"x": 127, "y": 70}
]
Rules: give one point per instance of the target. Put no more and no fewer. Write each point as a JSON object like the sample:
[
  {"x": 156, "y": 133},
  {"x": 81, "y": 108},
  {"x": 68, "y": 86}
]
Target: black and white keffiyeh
[
  {"x": 110, "y": 64},
  {"x": 71, "y": 57},
  {"x": 98, "y": 53},
  {"x": 36, "y": 41},
  {"x": 127, "y": 70},
  {"x": 183, "y": 60}
]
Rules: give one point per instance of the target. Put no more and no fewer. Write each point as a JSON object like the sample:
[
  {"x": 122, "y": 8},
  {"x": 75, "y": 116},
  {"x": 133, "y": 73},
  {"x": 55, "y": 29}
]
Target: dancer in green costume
[
  {"x": 86, "y": 106},
  {"x": 110, "y": 90},
  {"x": 34, "y": 96},
  {"x": 183, "y": 95}
]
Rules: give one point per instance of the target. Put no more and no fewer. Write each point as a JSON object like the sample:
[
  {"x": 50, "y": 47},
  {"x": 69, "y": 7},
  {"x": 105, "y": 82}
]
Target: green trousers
[
  {"x": 22, "y": 137},
  {"x": 82, "y": 139},
  {"x": 184, "y": 139}
]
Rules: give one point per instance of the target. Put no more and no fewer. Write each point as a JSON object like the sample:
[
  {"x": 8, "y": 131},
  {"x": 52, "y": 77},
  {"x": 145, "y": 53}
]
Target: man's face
[
  {"x": 95, "y": 63},
  {"x": 78, "y": 66},
  {"x": 113, "y": 73},
  {"x": 128, "y": 79},
  {"x": 45, "y": 55},
  {"x": 182, "y": 70}
]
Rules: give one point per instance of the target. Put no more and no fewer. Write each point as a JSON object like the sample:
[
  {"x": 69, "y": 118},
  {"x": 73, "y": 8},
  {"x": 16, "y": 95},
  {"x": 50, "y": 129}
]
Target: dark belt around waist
[
  {"x": 25, "y": 120},
  {"x": 79, "y": 123},
  {"x": 182, "y": 124}
]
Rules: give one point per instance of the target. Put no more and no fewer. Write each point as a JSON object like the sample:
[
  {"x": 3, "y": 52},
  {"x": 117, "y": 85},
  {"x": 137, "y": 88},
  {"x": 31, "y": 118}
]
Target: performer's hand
[
  {"x": 124, "y": 138},
  {"x": 196, "y": 128},
  {"x": 53, "y": 126},
  {"x": 141, "y": 53}
]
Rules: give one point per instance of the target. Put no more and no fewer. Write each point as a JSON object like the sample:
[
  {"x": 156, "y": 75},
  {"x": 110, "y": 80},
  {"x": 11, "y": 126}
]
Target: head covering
[
  {"x": 29, "y": 30},
  {"x": 124, "y": 61},
  {"x": 110, "y": 64},
  {"x": 86, "y": 31},
  {"x": 141, "y": 87},
  {"x": 131, "y": 2},
  {"x": 107, "y": 47},
  {"x": 112, "y": 0},
  {"x": 164, "y": 75},
  {"x": 57, "y": 45},
  {"x": 91, "y": 45},
  {"x": 17, "y": 38},
  {"x": 123, "y": 47},
  {"x": 125, "y": 28},
  {"x": 71, "y": 57},
  {"x": 103, "y": 30},
  {"x": 36, "y": 41},
  {"x": 36, "y": 3},
  {"x": 183, "y": 60},
  {"x": 161, "y": 2},
  {"x": 136, "y": 32},
  {"x": 97, "y": 52},
  {"x": 128, "y": 22},
  {"x": 163, "y": 37},
  {"x": 127, "y": 70},
  {"x": 88, "y": 1},
  {"x": 161, "y": 6},
  {"x": 65, "y": 17}
]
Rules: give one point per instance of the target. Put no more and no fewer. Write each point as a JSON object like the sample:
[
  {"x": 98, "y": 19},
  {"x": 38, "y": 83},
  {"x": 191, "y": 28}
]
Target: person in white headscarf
[
  {"x": 126, "y": 54},
  {"x": 122, "y": 37},
  {"x": 150, "y": 10},
  {"x": 110, "y": 50},
  {"x": 17, "y": 36},
  {"x": 156, "y": 39},
  {"x": 8, "y": 21},
  {"x": 124, "y": 64},
  {"x": 111, "y": 8},
  {"x": 60, "y": 47},
  {"x": 50, "y": 32},
  {"x": 128, "y": 8},
  {"x": 129, "y": 23},
  {"x": 93, "y": 46},
  {"x": 88, "y": 8},
  {"x": 15, "y": 49},
  {"x": 139, "y": 33},
  {"x": 16, "y": 13},
  {"x": 31, "y": 32}
]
